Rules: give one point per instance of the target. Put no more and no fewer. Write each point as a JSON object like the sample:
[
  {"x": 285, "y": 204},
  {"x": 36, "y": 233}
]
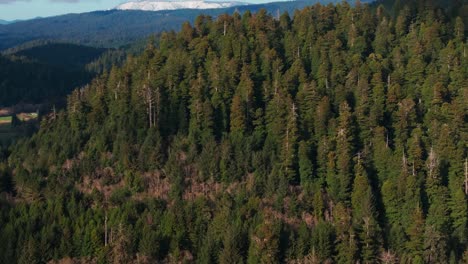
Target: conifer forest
[{"x": 334, "y": 134}]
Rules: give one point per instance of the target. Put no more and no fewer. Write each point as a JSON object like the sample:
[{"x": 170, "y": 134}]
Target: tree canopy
[{"x": 337, "y": 134}]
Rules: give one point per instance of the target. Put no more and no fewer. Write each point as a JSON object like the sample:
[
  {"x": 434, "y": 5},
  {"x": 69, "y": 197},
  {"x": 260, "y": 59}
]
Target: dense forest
[
  {"x": 336, "y": 135},
  {"x": 23, "y": 80},
  {"x": 45, "y": 72},
  {"x": 114, "y": 28}
]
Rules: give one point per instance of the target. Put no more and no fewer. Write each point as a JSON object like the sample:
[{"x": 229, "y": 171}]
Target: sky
[{"x": 27, "y": 9}]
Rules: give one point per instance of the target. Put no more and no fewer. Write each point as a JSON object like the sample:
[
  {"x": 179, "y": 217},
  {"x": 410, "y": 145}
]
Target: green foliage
[
  {"x": 247, "y": 139},
  {"x": 119, "y": 196},
  {"x": 44, "y": 72},
  {"x": 115, "y": 28}
]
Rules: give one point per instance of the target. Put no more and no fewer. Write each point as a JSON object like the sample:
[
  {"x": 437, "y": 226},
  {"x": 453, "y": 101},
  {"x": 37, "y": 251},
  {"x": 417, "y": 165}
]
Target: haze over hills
[
  {"x": 174, "y": 5},
  {"x": 114, "y": 28}
]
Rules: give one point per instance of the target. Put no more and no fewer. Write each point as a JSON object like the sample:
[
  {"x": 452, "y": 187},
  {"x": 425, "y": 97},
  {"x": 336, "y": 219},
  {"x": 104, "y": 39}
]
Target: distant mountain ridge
[
  {"x": 151, "y": 5},
  {"x": 114, "y": 28},
  {"x": 7, "y": 22}
]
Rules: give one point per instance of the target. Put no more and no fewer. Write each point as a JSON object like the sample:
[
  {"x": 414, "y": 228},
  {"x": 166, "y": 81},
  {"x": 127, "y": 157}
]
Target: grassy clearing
[
  {"x": 24, "y": 117},
  {"x": 5, "y": 120}
]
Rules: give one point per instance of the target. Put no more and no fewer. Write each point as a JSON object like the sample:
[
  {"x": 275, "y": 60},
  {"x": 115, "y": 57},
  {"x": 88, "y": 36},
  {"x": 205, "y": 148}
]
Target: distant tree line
[{"x": 45, "y": 72}]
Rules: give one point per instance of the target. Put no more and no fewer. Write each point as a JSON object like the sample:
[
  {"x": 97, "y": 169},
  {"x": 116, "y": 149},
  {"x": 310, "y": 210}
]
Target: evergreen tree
[
  {"x": 344, "y": 152},
  {"x": 334, "y": 135}
]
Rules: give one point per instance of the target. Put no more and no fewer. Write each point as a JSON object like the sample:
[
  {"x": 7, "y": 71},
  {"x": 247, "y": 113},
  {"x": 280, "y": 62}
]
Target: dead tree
[
  {"x": 149, "y": 100},
  {"x": 432, "y": 163},
  {"x": 152, "y": 100},
  {"x": 466, "y": 176}
]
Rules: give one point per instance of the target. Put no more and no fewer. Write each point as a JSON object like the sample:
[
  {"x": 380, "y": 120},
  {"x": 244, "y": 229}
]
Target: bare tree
[
  {"x": 152, "y": 100},
  {"x": 432, "y": 164},
  {"x": 466, "y": 176}
]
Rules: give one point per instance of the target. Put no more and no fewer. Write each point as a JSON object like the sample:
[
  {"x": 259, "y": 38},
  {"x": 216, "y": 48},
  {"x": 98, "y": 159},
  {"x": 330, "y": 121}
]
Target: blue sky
[{"x": 26, "y": 9}]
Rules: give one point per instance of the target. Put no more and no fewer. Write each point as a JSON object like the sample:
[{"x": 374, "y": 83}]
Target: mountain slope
[
  {"x": 335, "y": 136},
  {"x": 118, "y": 27},
  {"x": 62, "y": 55},
  {"x": 45, "y": 73},
  {"x": 173, "y": 5}
]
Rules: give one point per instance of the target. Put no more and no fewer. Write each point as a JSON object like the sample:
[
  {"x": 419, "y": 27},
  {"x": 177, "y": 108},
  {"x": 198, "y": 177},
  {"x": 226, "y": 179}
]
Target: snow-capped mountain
[{"x": 155, "y": 5}]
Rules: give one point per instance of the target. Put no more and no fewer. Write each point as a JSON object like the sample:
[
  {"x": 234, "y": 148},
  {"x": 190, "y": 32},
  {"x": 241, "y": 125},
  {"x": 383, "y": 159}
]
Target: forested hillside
[
  {"x": 114, "y": 28},
  {"x": 336, "y": 135},
  {"x": 63, "y": 55},
  {"x": 24, "y": 80},
  {"x": 44, "y": 72}
]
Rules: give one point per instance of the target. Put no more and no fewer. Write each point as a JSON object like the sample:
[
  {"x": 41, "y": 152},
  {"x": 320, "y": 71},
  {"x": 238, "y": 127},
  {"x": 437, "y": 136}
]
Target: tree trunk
[{"x": 466, "y": 176}]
